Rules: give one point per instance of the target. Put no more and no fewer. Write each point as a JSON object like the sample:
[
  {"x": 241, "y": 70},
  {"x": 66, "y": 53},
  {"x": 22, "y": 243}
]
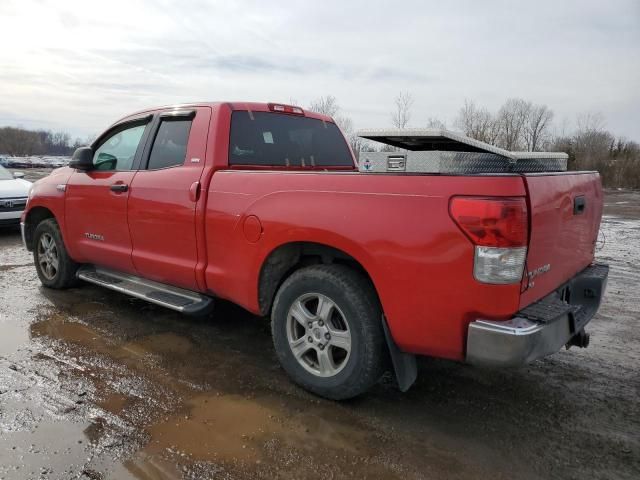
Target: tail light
[
  {"x": 498, "y": 227},
  {"x": 276, "y": 107}
]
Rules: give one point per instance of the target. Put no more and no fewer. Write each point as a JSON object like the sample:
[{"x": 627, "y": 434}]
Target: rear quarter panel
[{"x": 397, "y": 227}]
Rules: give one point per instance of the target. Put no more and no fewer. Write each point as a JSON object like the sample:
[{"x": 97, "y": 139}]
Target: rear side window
[
  {"x": 275, "y": 139},
  {"x": 170, "y": 145}
]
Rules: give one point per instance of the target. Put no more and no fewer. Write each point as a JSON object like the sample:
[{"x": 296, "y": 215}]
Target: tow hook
[{"x": 580, "y": 339}]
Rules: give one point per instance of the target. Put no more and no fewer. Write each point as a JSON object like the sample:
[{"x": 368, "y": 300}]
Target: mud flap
[{"x": 404, "y": 364}]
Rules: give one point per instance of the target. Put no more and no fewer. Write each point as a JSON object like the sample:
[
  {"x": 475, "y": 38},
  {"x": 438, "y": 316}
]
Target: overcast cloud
[{"x": 80, "y": 65}]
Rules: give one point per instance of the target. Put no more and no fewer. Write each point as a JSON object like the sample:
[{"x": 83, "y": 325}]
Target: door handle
[
  {"x": 119, "y": 187},
  {"x": 579, "y": 204},
  {"x": 194, "y": 191}
]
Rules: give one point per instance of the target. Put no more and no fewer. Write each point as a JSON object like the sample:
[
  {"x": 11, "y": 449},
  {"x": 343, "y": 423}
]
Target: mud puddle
[{"x": 170, "y": 421}]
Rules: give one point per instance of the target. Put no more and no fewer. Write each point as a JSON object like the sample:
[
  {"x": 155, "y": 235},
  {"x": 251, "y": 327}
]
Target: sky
[{"x": 80, "y": 65}]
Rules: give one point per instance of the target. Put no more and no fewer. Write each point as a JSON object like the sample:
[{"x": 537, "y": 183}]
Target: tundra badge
[
  {"x": 94, "y": 236},
  {"x": 536, "y": 273}
]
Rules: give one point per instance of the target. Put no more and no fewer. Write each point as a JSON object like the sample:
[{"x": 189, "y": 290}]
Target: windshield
[
  {"x": 5, "y": 174},
  {"x": 272, "y": 139}
]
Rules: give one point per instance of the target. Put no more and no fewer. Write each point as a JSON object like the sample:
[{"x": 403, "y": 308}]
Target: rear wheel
[
  {"x": 327, "y": 331},
  {"x": 53, "y": 264}
]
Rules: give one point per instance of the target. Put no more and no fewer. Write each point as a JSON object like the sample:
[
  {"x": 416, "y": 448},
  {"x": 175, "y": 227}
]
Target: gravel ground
[{"x": 96, "y": 385}]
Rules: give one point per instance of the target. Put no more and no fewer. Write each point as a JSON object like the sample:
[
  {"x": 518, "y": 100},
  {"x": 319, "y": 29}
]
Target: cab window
[
  {"x": 273, "y": 139},
  {"x": 119, "y": 149},
  {"x": 170, "y": 145}
]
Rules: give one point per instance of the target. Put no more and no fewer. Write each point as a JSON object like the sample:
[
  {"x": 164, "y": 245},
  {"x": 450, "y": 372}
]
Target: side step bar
[{"x": 178, "y": 299}]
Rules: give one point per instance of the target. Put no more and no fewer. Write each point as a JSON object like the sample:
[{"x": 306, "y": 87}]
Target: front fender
[{"x": 49, "y": 193}]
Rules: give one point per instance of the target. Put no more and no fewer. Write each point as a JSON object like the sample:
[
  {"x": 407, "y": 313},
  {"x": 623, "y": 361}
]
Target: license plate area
[{"x": 578, "y": 299}]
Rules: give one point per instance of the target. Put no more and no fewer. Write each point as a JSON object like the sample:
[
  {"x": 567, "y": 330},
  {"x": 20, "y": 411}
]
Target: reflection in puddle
[
  {"x": 215, "y": 428},
  {"x": 57, "y": 327},
  {"x": 231, "y": 427},
  {"x": 185, "y": 422}
]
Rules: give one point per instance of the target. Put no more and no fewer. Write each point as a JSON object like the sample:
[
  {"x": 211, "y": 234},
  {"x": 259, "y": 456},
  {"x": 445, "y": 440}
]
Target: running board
[{"x": 178, "y": 299}]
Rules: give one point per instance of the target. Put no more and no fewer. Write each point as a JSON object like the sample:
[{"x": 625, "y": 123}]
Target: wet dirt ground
[{"x": 95, "y": 385}]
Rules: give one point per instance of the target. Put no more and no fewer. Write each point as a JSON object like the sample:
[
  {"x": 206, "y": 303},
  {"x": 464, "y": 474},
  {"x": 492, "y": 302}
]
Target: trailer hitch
[{"x": 580, "y": 339}]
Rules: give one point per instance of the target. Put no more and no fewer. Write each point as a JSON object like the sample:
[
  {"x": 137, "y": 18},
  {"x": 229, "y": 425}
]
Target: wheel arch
[
  {"x": 286, "y": 258},
  {"x": 34, "y": 216}
]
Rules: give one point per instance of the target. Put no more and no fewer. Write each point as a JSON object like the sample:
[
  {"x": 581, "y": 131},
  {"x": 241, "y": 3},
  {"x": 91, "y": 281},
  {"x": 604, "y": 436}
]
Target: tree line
[
  {"x": 518, "y": 125},
  {"x": 21, "y": 142}
]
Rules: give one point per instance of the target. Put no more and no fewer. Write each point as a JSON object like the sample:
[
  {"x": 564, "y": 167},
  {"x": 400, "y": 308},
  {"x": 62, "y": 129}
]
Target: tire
[
  {"x": 350, "y": 316},
  {"x": 53, "y": 264}
]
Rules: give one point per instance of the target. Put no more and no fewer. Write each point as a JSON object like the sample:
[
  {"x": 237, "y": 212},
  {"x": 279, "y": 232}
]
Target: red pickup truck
[{"x": 263, "y": 205}]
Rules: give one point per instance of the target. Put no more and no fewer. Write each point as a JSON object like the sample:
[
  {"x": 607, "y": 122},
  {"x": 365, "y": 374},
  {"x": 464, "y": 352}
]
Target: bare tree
[
  {"x": 518, "y": 124},
  {"x": 592, "y": 143},
  {"x": 521, "y": 124},
  {"x": 466, "y": 119},
  {"x": 590, "y": 122},
  {"x": 346, "y": 125},
  {"x": 512, "y": 117},
  {"x": 328, "y": 105},
  {"x": 536, "y": 127},
  {"x": 436, "y": 124},
  {"x": 477, "y": 122},
  {"x": 402, "y": 114},
  {"x": 325, "y": 105}
]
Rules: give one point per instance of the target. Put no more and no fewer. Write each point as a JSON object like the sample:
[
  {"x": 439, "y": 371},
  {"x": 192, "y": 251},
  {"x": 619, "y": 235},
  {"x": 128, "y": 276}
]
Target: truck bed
[{"x": 423, "y": 270}]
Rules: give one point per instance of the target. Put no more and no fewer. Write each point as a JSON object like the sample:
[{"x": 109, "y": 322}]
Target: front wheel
[
  {"x": 327, "y": 331},
  {"x": 53, "y": 264}
]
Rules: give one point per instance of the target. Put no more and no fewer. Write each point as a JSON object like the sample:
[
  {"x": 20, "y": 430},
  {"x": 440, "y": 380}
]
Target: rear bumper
[{"x": 542, "y": 328}]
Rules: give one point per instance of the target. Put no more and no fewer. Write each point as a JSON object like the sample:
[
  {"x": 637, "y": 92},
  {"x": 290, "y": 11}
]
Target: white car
[{"x": 14, "y": 191}]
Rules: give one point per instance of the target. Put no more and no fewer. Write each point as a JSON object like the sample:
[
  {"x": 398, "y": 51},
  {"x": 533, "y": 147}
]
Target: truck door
[
  {"x": 96, "y": 200},
  {"x": 164, "y": 195}
]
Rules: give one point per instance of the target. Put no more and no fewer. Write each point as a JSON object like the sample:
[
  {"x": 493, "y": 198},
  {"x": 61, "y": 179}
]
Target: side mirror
[
  {"x": 82, "y": 159},
  {"x": 18, "y": 175}
]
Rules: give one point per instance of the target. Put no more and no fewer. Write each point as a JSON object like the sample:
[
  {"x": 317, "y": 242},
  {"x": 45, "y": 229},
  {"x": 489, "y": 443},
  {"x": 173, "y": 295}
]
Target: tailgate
[{"x": 565, "y": 211}]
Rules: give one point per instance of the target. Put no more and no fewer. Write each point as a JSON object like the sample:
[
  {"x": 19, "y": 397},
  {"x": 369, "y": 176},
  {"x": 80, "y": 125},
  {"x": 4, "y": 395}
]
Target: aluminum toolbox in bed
[{"x": 446, "y": 152}]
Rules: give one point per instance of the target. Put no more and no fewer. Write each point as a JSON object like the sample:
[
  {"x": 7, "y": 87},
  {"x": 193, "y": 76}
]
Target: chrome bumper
[
  {"x": 516, "y": 342},
  {"x": 542, "y": 328}
]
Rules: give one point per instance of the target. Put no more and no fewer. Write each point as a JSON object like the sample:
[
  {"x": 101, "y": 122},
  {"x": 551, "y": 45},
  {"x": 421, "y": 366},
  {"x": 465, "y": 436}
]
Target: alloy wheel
[
  {"x": 48, "y": 256},
  {"x": 318, "y": 334}
]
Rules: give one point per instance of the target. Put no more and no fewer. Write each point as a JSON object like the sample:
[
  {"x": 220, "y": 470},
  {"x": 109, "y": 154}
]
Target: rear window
[{"x": 261, "y": 138}]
